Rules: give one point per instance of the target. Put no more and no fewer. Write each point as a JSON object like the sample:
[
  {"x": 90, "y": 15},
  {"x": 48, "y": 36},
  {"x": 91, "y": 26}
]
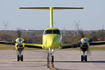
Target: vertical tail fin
[{"x": 51, "y": 16}]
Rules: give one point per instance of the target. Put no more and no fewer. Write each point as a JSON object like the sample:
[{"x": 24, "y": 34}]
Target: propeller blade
[
  {"x": 88, "y": 52},
  {"x": 19, "y": 33},
  {"x": 81, "y": 33}
]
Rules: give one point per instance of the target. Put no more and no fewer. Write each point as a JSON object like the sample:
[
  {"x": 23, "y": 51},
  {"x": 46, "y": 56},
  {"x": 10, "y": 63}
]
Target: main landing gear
[
  {"x": 83, "y": 57},
  {"x": 19, "y": 56}
]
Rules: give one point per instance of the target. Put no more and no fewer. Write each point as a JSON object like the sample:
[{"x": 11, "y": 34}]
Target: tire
[
  {"x": 52, "y": 59},
  {"x": 18, "y": 58},
  {"x": 81, "y": 58},
  {"x": 85, "y": 58},
  {"x": 48, "y": 57},
  {"x": 21, "y": 57},
  {"x": 48, "y": 60}
]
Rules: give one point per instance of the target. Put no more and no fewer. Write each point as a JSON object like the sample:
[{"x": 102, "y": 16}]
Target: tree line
[{"x": 69, "y": 36}]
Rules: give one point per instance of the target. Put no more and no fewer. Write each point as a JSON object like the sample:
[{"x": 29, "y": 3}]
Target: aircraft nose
[{"x": 52, "y": 41}]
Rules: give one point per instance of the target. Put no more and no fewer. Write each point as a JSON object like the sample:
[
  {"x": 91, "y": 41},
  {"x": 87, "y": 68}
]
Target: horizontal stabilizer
[
  {"x": 67, "y": 8},
  {"x": 42, "y": 8},
  {"x": 54, "y": 8}
]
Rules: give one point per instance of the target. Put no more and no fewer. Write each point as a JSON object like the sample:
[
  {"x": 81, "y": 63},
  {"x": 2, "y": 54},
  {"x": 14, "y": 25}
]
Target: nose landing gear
[
  {"x": 50, "y": 57},
  {"x": 50, "y": 60}
]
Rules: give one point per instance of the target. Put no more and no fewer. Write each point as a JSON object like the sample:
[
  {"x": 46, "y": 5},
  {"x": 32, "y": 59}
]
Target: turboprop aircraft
[{"x": 52, "y": 37}]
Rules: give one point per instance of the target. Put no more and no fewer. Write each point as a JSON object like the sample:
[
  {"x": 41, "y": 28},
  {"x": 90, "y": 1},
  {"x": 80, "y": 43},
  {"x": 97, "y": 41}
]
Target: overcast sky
[{"x": 92, "y": 17}]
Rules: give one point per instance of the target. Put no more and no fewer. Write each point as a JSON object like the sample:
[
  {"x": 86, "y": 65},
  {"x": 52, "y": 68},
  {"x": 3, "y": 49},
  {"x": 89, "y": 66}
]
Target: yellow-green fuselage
[{"x": 52, "y": 38}]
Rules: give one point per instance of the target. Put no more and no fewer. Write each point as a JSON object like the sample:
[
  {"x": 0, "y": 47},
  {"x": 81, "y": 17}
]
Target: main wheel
[
  {"x": 52, "y": 58},
  {"x": 85, "y": 58},
  {"x": 81, "y": 58},
  {"x": 21, "y": 57},
  {"x": 18, "y": 58}
]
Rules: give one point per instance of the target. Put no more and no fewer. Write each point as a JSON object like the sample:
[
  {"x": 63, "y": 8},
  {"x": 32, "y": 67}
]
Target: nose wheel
[{"x": 50, "y": 57}]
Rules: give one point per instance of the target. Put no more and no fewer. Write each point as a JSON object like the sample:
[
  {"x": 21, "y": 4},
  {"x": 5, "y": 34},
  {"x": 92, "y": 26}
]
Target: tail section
[{"x": 51, "y": 10}]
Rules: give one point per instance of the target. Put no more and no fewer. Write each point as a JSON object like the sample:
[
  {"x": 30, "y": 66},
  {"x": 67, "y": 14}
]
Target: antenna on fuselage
[{"x": 51, "y": 10}]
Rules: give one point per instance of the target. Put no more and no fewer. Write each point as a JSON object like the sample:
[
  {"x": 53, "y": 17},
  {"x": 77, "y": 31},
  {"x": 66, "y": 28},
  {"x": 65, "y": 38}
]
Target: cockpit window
[
  {"x": 56, "y": 31},
  {"x": 52, "y": 32},
  {"x": 48, "y": 32}
]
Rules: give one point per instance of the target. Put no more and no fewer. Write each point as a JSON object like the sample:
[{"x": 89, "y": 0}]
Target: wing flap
[{"x": 39, "y": 46}]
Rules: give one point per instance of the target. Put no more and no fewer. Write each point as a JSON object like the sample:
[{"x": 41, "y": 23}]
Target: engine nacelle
[{"x": 84, "y": 47}]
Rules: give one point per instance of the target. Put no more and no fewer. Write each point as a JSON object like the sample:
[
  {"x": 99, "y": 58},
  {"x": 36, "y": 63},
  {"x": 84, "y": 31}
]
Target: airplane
[{"x": 52, "y": 38}]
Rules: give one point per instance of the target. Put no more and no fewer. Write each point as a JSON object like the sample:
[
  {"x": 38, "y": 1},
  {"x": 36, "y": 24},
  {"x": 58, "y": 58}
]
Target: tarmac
[{"x": 64, "y": 60}]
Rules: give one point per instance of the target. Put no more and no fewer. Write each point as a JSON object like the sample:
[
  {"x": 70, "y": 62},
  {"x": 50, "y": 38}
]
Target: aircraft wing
[
  {"x": 97, "y": 43},
  {"x": 75, "y": 45},
  {"x": 39, "y": 46},
  {"x": 26, "y": 44},
  {"x": 6, "y": 42}
]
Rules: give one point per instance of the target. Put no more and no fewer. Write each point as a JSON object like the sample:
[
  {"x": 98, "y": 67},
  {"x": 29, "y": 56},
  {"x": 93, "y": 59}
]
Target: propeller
[
  {"x": 88, "y": 52},
  {"x": 81, "y": 33},
  {"x": 19, "y": 32}
]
